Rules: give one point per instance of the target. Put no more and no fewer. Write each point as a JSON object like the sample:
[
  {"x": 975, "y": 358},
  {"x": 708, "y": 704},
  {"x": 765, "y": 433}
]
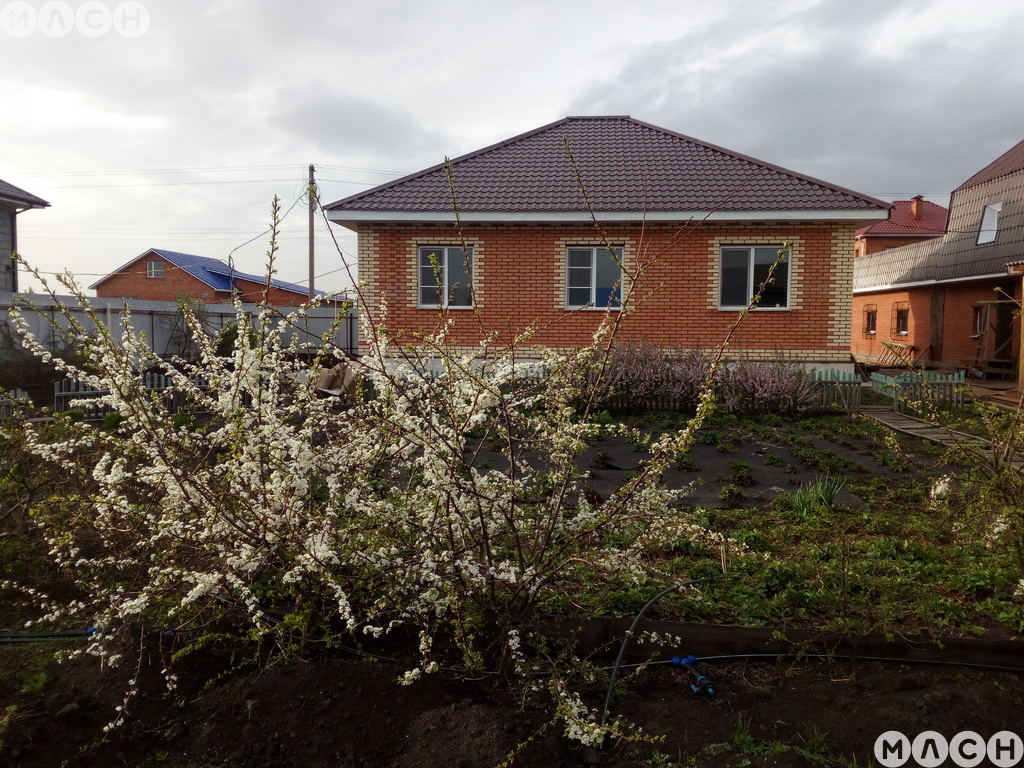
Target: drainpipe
[
  {"x": 13, "y": 285},
  {"x": 1018, "y": 269}
]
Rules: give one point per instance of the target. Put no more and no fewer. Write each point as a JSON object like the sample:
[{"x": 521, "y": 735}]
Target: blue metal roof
[{"x": 214, "y": 272}]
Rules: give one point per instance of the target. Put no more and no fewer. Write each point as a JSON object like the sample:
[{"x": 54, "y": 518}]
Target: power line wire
[
  {"x": 172, "y": 183},
  {"x": 123, "y": 171}
]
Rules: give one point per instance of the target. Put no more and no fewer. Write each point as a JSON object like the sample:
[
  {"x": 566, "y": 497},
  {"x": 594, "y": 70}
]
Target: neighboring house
[
  {"x": 950, "y": 301},
  {"x": 705, "y": 222},
  {"x": 12, "y": 202},
  {"x": 910, "y": 221},
  {"x": 161, "y": 275}
]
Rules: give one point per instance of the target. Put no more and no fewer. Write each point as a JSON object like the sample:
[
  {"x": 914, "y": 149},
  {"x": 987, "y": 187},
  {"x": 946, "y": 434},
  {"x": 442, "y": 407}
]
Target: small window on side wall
[
  {"x": 870, "y": 320},
  {"x": 901, "y": 319},
  {"x": 445, "y": 276},
  {"x": 154, "y": 269},
  {"x": 744, "y": 272},
  {"x": 593, "y": 278},
  {"x": 980, "y": 321}
]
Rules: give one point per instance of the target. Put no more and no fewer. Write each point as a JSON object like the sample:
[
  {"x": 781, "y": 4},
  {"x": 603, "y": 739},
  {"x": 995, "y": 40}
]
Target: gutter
[{"x": 920, "y": 283}]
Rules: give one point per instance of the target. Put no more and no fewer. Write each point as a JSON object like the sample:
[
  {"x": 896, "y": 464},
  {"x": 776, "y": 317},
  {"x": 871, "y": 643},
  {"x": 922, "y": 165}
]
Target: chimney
[{"x": 917, "y": 207}]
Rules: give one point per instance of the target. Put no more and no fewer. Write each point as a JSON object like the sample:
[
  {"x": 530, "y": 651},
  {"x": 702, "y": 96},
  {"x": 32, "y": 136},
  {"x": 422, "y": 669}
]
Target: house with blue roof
[{"x": 162, "y": 275}]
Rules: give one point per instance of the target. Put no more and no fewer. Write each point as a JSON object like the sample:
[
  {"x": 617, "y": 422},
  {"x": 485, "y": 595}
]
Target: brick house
[
  {"x": 162, "y": 275},
  {"x": 12, "y": 202},
  {"x": 704, "y": 223},
  {"x": 951, "y": 301},
  {"x": 910, "y": 221}
]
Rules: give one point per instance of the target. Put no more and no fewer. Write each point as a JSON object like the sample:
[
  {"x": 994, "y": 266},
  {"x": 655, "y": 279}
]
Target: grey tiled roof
[
  {"x": 957, "y": 254},
  {"x": 626, "y": 166},
  {"x": 11, "y": 192}
]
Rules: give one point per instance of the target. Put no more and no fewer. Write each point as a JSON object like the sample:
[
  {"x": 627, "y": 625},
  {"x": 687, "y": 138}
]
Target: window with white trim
[
  {"x": 154, "y": 268},
  {"x": 989, "y": 223},
  {"x": 743, "y": 271},
  {"x": 593, "y": 277},
  {"x": 445, "y": 276}
]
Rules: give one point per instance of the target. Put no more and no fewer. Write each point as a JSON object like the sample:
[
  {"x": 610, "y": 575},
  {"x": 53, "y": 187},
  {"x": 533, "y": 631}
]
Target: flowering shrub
[
  {"x": 640, "y": 375},
  {"x": 766, "y": 387},
  {"x": 688, "y": 371},
  {"x": 266, "y": 508}
]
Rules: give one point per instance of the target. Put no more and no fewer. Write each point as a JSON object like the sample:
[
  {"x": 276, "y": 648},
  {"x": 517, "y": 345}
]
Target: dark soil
[
  {"x": 341, "y": 711},
  {"x": 347, "y": 712}
]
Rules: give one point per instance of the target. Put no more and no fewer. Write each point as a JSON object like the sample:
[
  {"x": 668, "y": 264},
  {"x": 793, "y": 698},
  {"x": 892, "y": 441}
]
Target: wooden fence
[
  {"x": 917, "y": 386},
  {"x": 839, "y": 388}
]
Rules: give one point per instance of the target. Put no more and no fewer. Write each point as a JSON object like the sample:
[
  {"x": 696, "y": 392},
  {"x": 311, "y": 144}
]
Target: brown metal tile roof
[
  {"x": 957, "y": 255},
  {"x": 14, "y": 194},
  {"x": 626, "y": 166},
  {"x": 901, "y": 221},
  {"x": 1009, "y": 162}
]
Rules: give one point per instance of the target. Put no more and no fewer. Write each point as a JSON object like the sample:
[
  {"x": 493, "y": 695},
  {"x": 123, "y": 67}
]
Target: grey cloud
[
  {"x": 810, "y": 96},
  {"x": 359, "y": 129}
]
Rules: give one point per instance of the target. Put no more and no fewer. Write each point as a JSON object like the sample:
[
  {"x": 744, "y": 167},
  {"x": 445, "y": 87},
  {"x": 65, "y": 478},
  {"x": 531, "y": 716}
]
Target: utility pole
[{"x": 312, "y": 215}]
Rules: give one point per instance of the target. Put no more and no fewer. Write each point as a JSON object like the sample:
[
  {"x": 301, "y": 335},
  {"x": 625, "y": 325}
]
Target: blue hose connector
[{"x": 701, "y": 684}]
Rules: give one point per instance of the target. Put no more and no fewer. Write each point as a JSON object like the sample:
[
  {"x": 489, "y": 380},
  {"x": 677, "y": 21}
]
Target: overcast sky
[{"x": 180, "y": 136}]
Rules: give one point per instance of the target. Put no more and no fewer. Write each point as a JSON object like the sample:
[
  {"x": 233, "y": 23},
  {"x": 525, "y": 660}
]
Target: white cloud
[{"x": 224, "y": 103}]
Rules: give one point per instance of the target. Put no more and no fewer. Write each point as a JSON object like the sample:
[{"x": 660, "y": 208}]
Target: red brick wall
[
  {"x": 132, "y": 281},
  {"x": 869, "y": 348},
  {"x": 519, "y": 278},
  {"x": 959, "y": 347},
  {"x": 958, "y": 329}
]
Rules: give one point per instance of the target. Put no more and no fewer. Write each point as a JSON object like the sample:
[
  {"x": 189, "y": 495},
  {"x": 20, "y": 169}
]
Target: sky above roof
[{"x": 178, "y": 137}]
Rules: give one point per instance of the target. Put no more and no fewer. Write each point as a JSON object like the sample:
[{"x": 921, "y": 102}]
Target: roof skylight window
[{"x": 989, "y": 223}]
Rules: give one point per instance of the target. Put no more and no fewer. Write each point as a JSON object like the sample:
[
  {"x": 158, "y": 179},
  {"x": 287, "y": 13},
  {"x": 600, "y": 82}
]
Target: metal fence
[
  {"x": 69, "y": 394},
  {"x": 917, "y": 386},
  {"x": 162, "y": 325}
]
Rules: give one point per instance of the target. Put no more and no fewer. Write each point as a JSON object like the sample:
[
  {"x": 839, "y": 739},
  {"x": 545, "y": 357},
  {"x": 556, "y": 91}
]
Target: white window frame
[
  {"x": 989, "y": 223},
  {"x": 575, "y": 272},
  {"x": 762, "y": 250},
  {"x": 155, "y": 268},
  {"x": 444, "y": 254}
]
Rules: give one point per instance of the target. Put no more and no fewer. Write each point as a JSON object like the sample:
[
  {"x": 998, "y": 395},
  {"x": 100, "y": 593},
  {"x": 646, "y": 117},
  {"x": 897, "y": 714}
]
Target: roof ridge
[
  {"x": 1011, "y": 161},
  {"x": 449, "y": 161},
  {"x": 627, "y": 166},
  {"x": 763, "y": 163}
]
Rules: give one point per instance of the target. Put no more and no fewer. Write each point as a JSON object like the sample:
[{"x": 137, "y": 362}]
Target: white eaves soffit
[{"x": 342, "y": 216}]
